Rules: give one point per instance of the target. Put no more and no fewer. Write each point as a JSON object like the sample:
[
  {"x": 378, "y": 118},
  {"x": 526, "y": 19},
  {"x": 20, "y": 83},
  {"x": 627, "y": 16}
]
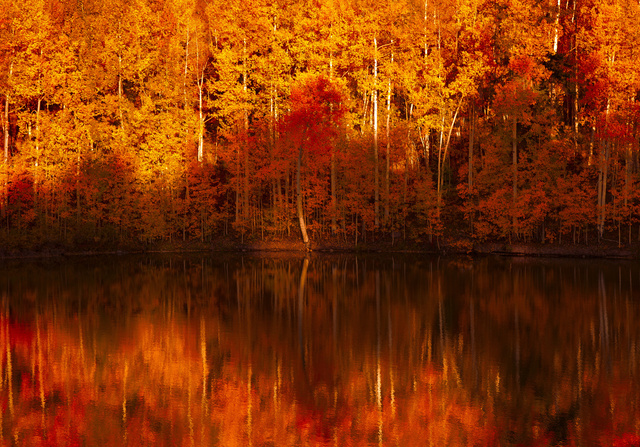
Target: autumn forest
[{"x": 161, "y": 120}]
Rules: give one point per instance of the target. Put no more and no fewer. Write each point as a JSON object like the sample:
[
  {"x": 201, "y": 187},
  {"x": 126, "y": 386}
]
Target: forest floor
[{"x": 448, "y": 246}]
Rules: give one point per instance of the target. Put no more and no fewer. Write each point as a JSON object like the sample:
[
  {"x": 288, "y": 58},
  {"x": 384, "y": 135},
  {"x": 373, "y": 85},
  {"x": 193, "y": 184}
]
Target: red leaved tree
[{"x": 311, "y": 126}]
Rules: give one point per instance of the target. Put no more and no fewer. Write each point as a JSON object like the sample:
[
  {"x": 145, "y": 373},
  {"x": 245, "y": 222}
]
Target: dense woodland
[{"x": 151, "y": 120}]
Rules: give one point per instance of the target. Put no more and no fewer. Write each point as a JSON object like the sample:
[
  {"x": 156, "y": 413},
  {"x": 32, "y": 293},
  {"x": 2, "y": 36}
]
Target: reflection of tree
[{"x": 365, "y": 351}]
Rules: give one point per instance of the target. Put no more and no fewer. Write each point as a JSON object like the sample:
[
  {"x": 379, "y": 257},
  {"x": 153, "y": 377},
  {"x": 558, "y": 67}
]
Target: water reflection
[{"x": 326, "y": 350}]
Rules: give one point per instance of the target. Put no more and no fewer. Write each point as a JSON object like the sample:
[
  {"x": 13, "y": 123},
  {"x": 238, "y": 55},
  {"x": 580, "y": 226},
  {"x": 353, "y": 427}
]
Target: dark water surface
[{"x": 333, "y": 350}]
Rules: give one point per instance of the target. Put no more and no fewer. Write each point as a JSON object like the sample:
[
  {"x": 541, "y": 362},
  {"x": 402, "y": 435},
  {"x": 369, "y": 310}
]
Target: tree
[{"x": 316, "y": 110}]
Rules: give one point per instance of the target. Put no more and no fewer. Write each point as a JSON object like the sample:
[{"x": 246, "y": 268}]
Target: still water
[{"x": 331, "y": 350}]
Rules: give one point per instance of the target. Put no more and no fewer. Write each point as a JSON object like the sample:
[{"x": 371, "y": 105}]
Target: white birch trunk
[
  {"x": 556, "y": 29},
  {"x": 443, "y": 150},
  {"x": 375, "y": 136},
  {"x": 200, "y": 83},
  {"x": 386, "y": 174}
]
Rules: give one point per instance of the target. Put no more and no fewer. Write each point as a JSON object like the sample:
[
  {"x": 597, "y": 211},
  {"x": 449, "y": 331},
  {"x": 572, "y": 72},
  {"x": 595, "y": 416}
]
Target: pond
[{"x": 277, "y": 350}]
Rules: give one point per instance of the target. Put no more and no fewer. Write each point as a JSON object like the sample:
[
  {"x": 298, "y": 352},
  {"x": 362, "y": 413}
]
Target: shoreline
[{"x": 603, "y": 250}]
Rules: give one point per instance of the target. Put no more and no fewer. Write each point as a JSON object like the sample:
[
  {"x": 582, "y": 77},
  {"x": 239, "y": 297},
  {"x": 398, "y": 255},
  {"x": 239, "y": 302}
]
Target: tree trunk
[
  {"x": 5, "y": 131},
  {"x": 200, "y": 82},
  {"x": 78, "y": 209},
  {"x": 5, "y": 128},
  {"x": 443, "y": 150},
  {"x": 627, "y": 185},
  {"x": 186, "y": 69},
  {"x": 35, "y": 171},
  {"x": 514, "y": 154},
  {"x": 246, "y": 132},
  {"x": 425, "y": 34},
  {"x": 120, "y": 92},
  {"x": 334, "y": 204},
  {"x": 627, "y": 178},
  {"x": 237, "y": 185},
  {"x": 440, "y": 166},
  {"x": 334, "y": 199},
  {"x": 200, "y": 125},
  {"x": 376, "y": 174},
  {"x": 386, "y": 172},
  {"x": 556, "y": 28},
  {"x": 602, "y": 187},
  {"x": 472, "y": 134},
  {"x": 303, "y": 226}
]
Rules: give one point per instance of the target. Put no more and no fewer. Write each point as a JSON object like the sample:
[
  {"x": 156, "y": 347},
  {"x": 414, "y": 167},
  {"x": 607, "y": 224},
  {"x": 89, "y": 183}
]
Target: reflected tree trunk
[
  {"x": 392, "y": 392},
  {"x": 378, "y": 366},
  {"x": 125, "y": 375},
  {"x": 517, "y": 353},
  {"x": 604, "y": 321},
  {"x": 249, "y": 405},
  {"x": 205, "y": 368},
  {"x": 301, "y": 286}
]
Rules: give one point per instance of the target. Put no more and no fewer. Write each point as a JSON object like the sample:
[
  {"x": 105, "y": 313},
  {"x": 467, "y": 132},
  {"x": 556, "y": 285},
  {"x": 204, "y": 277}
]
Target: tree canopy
[{"x": 161, "y": 120}]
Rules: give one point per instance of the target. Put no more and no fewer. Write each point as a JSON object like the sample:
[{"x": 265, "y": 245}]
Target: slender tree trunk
[
  {"x": 78, "y": 209},
  {"x": 334, "y": 204},
  {"x": 281, "y": 204},
  {"x": 602, "y": 187},
  {"x": 200, "y": 83},
  {"x": 376, "y": 174},
  {"x": 273, "y": 115},
  {"x": 334, "y": 199},
  {"x": 627, "y": 185},
  {"x": 38, "y": 109},
  {"x": 440, "y": 166},
  {"x": 35, "y": 171},
  {"x": 246, "y": 130},
  {"x": 425, "y": 34},
  {"x": 237, "y": 186},
  {"x": 556, "y": 28},
  {"x": 186, "y": 70},
  {"x": 5, "y": 131},
  {"x": 576, "y": 110},
  {"x": 303, "y": 226},
  {"x": 386, "y": 172},
  {"x": 627, "y": 178},
  {"x": 442, "y": 155},
  {"x": 272, "y": 145},
  {"x": 287, "y": 190},
  {"x": 514, "y": 155},
  {"x": 472, "y": 134},
  {"x": 200, "y": 124},
  {"x": 5, "y": 128},
  {"x": 120, "y": 92}
]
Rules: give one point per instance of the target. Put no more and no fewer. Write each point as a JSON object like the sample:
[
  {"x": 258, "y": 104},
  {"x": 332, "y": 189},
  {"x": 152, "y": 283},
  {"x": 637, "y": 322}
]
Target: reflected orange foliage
[{"x": 355, "y": 365}]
